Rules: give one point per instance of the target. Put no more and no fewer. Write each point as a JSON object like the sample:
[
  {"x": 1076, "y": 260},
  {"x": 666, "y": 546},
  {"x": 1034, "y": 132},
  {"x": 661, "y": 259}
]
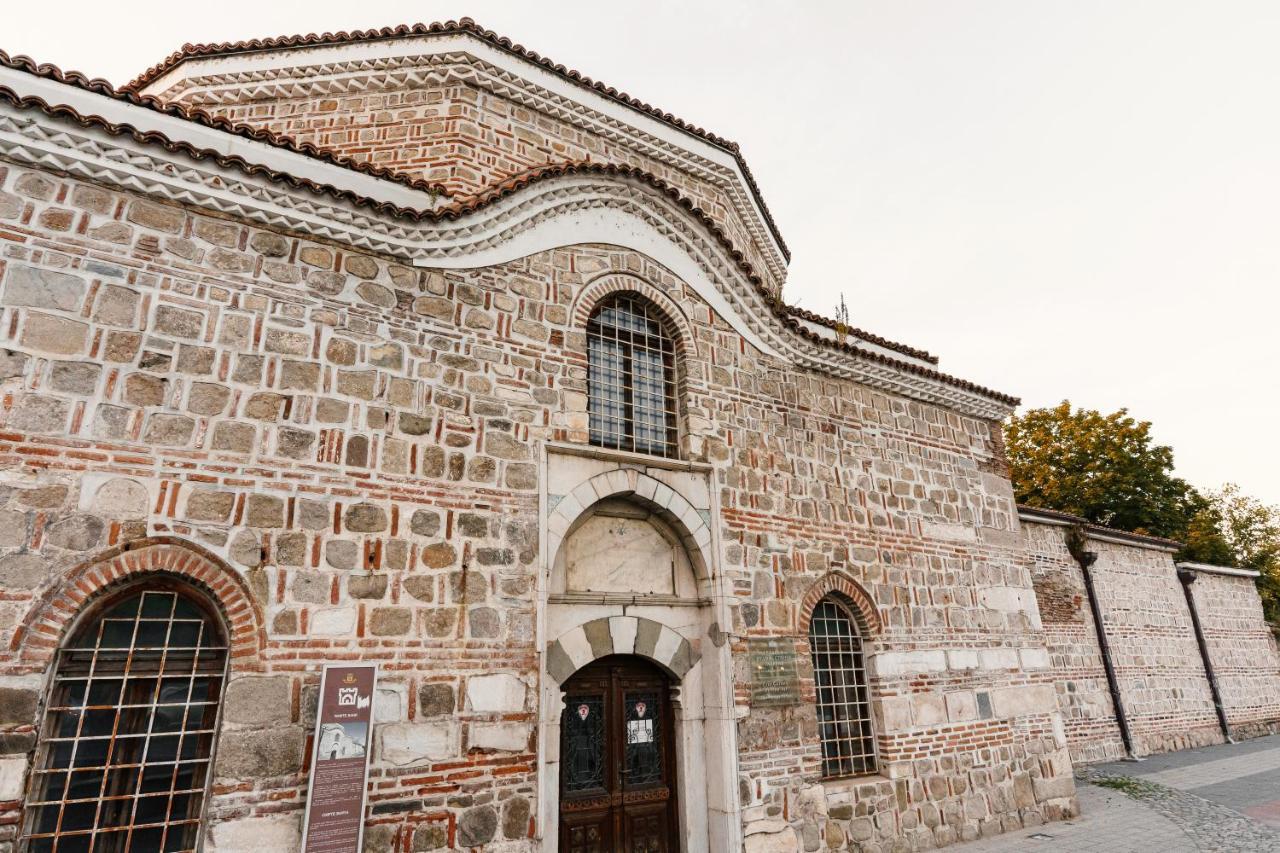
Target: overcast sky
[{"x": 1061, "y": 199}]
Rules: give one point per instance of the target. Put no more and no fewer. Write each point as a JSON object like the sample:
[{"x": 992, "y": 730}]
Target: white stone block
[
  {"x": 962, "y": 705},
  {"x": 503, "y": 737},
  {"x": 499, "y": 693},
  {"x": 1020, "y": 701},
  {"x": 404, "y": 744},
  {"x": 960, "y": 659},
  {"x": 1006, "y": 598},
  {"x": 782, "y": 841},
  {"x": 952, "y": 532},
  {"x": 996, "y": 659},
  {"x": 623, "y": 630},
  {"x": 665, "y": 648},
  {"x": 891, "y": 664},
  {"x": 256, "y": 834},
  {"x": 1034, "y": 658},
  {"x": 390, "y": 703},
  {"x": 577, "y": 647},
  {"x": 929, "y": 709},
  {"x": 332, "y": 622},
  {"x": 895, "y": 714},
  {"x": 11, "y": 773}
]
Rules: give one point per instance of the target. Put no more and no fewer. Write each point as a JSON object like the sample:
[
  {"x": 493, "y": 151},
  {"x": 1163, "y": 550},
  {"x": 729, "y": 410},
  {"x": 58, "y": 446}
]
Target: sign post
[{"x": 340, "y": 760}]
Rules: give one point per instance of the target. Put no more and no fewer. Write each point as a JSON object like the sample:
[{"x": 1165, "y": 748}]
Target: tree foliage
[
  {"x": 1252, "y": 532},
  {"x": 1105, "y": 468},
  {"x": 1109, "y": 470}
]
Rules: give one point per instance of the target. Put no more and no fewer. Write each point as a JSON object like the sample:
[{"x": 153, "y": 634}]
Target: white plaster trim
[
  {"x": 200, "y": 136},
  {"x": 1205, "y": 568},
  {"x": 366, "y": 59},
  {"x": 569, "y": 210}
]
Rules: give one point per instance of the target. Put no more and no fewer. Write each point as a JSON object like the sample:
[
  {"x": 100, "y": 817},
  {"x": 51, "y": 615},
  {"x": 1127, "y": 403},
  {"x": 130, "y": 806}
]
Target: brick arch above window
[
  {"x": 608, "y": 284},
  {"x": 861, "y": 607},
  {"x": 51, "y": 618}
]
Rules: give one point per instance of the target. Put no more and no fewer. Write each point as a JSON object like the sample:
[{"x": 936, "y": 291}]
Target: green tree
[
  {"x": 1251, "y": 530},
  {"x": 1105, "y": 468}
]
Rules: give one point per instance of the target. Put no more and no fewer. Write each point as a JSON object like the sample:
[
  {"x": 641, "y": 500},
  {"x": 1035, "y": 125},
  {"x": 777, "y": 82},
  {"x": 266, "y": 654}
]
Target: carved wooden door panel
[{"x": 617, "y": 760}]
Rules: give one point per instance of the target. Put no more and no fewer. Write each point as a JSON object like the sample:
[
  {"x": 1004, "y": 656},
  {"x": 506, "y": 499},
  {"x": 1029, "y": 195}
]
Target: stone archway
[
  {"x": 676, "y": 628},
  {"x": 619, "y": 635},
  {"x": 52, "y": 616}
]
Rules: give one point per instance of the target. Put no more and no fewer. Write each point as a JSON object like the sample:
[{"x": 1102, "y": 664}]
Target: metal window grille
[
  {"x": 125, "y": 749},
  {"x": 631, "y": 378},
  {"x": 844, "y": 709}
]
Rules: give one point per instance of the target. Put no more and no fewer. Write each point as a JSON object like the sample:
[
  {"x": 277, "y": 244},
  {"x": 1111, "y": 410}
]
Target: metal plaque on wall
[
  {"x": 774, "y": 680},
  {"x": 340, "y": 761}
]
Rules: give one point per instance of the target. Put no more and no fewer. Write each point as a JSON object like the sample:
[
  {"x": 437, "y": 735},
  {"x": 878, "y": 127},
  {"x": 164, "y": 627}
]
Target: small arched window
[
  {"x": 123, "y": 760},
  {"x": 844, "y": 707},
  {"x": 631, "y": 377}
]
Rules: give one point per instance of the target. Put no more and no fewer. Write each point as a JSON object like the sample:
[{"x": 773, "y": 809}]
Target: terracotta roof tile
[
  {"x": 470, "y": 27},
  {"x": 102, "y": 87},
  {"x": 859, "y": 333}
]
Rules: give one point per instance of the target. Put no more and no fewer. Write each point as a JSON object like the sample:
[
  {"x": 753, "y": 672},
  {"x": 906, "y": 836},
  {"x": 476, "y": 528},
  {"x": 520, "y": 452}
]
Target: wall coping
[
  {"x": 1097, "y": 532},
  {"x": 1208, "y": 569}
]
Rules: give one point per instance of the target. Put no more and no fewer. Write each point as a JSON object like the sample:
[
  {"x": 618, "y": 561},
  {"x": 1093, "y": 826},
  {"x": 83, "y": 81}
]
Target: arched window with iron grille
[
  {"x": 631, "y": 377},
  {"x": 123, "y": 762},
  {"x": 843, "y": 700}
]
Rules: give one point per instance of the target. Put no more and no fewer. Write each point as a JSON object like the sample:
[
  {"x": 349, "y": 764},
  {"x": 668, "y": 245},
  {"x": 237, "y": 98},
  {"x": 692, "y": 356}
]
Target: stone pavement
[{"x": 1223, "y": 799}]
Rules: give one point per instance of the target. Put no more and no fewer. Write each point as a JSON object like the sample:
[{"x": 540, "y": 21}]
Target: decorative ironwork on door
[{"x": 617, "y": 760}]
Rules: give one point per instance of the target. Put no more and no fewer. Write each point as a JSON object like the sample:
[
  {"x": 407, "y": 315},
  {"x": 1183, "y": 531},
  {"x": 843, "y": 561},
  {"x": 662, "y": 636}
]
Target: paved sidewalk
[{"x": 1219, "y": 799}]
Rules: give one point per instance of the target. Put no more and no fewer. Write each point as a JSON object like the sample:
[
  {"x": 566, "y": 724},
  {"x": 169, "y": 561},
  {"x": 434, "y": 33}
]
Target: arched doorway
[{"x": 618, "y": 759}]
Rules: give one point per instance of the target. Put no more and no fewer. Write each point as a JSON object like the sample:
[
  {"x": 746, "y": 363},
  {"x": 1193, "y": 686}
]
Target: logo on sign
[
  {"x": 348, "y": 696},
  {"x": 583, "y": 712}
]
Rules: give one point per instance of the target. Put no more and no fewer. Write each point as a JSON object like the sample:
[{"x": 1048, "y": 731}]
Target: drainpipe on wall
[
  {"x": 1188, "y": 577},
  {"x": 1076, "y": 540}
]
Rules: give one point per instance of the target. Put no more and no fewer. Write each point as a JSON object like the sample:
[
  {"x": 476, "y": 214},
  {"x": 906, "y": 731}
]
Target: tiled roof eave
[
  {"x": 103, "y": 88},
  {"x": 461, "y": 208},
  {"x": 466, "y": 26}
]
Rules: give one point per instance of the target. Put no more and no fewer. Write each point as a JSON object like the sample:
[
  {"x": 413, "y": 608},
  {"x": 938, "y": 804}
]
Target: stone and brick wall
[
  {"x": 1242, "y": 649},
  {"x": 353, "y": 456},
  {"x": 353, "y": 442},
  {"x": 1163, "y": 685}
]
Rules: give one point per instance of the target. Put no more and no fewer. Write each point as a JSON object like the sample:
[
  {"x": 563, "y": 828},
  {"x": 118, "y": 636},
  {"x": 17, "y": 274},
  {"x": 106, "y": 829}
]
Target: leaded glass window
[
  {"x": 123, "y": 761},
  {"x": 844, "y": 708},
  {"x": 631, "y": 377}
]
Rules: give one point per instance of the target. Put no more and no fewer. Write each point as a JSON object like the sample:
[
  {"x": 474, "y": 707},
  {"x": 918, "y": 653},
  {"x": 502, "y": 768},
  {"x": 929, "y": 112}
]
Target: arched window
[
  {"x": 844, "y": 708},
  {"x": 123, "y": 761},
  {"x": 631, "y": 383}
]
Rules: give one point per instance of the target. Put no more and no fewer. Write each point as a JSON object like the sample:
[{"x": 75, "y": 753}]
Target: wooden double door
[{"x": 617, "y": 760}]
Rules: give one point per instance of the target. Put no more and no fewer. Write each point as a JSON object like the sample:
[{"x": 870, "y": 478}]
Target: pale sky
[{"x": 1061, "y": 199}]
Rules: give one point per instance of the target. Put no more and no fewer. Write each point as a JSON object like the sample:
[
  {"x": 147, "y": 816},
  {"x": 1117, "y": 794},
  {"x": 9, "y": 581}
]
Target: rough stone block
[
  {"x": 258, "y": 700},
  {"x": 48, "y": 333},
  {"x": 37, "y": 288},
  {"x": 260, "y": 753}
]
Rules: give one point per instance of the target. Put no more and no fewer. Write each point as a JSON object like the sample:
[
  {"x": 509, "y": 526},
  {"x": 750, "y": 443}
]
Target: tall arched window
[
  {"x": 631, "y": 377},
  {"x": 123, "y": 760},
  {"x": 844, "y": 707}
]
